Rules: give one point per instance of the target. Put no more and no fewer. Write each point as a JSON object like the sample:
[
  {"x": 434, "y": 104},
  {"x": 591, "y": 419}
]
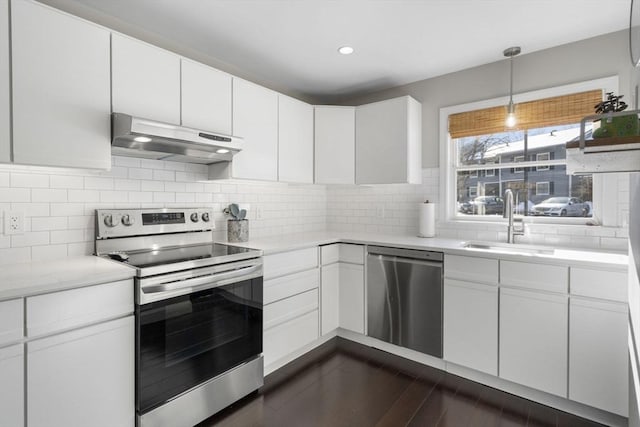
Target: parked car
[
  {"x": 483, "y": 205},
  {"x": 562, "y": 206}
]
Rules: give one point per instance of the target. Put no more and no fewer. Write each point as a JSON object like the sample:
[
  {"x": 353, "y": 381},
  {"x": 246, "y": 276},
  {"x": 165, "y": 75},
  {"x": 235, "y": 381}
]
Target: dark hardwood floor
[{"x": 343, "y": 383}]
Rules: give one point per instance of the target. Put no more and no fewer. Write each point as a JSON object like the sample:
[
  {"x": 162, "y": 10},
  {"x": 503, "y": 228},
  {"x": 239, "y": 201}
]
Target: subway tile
[
  {"x": 67, "y": 236},
  {"x": 83, "y": 196},
  {"x": 28, "y": 180},
  {"x": 164, "y": 197},
  {"x": 151, "y": 186},
  {"x": 127, "y": 184},
  {"x": 129, "y": 162},
  {"x": 152, "y": 164},
  {"x": 175, "y": 187},
  {"x": 98, "y": 183},
  {"x": 162, "y": 175},
  {"x": 81, "y": 221},
  {"x": 10, "y": 195},
  {"x": 49, "y": 223},
  {"x": 32, "y": 209},
  {"x": 66, "y": 181},
  {"x": 48, "y": 195},
  {"x": 140, "y": 196},
  {"x": 135, "y": 173},
  {"x": 80, "y": 248},
  {"x": 114, "y": 196},
  {"x": 4, "y": 179},
  {"x": 66, "y": 209}
]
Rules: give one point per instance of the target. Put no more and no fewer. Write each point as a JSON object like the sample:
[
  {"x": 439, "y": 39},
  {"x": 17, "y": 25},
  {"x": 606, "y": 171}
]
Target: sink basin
[{"x": 508, "y": 249}]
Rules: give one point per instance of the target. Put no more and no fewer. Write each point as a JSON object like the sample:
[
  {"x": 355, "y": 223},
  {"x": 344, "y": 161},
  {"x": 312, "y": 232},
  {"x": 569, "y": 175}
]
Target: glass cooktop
[{"x": 165, "y": 260}]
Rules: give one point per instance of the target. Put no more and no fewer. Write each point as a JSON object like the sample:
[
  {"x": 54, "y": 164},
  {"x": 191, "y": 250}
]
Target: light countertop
[
  {"x": 562, "y": 256},
  {"x": 32, "y": 278}
]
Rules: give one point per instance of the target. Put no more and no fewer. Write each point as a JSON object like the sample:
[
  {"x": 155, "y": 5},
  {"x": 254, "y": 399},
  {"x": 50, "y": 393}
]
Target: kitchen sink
[{"x": 508, "y": 248}]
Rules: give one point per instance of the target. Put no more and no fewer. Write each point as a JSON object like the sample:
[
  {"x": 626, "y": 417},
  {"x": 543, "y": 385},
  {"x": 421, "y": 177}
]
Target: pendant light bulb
[{"x": 511, "y": 110}]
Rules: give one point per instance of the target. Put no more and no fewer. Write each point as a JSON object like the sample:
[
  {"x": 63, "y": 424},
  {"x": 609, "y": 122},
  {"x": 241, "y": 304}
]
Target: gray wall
[{"x": 588, "y": 59}]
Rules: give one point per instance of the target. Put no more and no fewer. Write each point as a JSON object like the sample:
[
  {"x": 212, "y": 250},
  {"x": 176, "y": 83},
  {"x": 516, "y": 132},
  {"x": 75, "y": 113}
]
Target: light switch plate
[{"x": 13, "y": 222}]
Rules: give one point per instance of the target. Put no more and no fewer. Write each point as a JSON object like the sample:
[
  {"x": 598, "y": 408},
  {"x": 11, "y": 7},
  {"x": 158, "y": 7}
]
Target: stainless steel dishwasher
[{"x": 404, "y": 298}]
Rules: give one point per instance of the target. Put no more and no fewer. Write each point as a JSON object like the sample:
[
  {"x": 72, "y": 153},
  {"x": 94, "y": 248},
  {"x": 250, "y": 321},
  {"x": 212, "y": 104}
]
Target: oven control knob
[
  {"x": 205, "y": 217},
  {"x": 110, "y": 220},
  {"x": 128, "y": 220},
  {"x": 194, "y": 217}
]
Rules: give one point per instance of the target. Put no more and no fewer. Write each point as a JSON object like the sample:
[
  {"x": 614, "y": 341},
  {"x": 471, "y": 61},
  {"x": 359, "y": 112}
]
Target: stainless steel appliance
[
  {"x": 198, "y": 312},
  {"x": 404, "y": 298},
  {"x": 138, "y": 137}
]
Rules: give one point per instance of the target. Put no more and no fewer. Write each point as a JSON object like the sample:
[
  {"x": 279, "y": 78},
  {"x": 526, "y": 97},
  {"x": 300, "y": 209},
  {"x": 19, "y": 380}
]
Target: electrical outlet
[
  {"x": 259, "y": 212},
  {"x": 13, "y": 222}
]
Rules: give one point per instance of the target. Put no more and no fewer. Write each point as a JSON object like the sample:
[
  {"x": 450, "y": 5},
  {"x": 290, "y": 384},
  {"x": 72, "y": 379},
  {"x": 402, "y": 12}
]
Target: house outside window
[{"x": 531, "y": 161}]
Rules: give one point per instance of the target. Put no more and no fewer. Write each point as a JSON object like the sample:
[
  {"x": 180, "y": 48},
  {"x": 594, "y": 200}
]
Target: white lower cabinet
[
  {"x": 83, "y": 377},
  {"x": 351, "y": 297},
  {"x": 330, "y": 291},
  {"x": 598, "y": 368},
  {"x": 12, "y": 385},
  {"x": 471, "y": 325},
  {"x": 288, "y": 337},
  {"x": 534, "y": 339}
]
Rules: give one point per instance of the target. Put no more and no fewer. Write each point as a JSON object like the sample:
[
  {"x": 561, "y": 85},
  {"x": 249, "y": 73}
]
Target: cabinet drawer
[
  {"x": 290, "y": 336},
  {"x": 290, "y": 262},
  {"x": 290, "y": 308},
  {"x": 76, "y": 307},
  {"x": 611, "y": 285},
  {"x": 330, "y": 254},
  {"x": 541, "y": 277},
  {"x": 11, "y": 320},
  {"x": 471, "y": 268},
  {"x": 353, "y": 254},
  {"x": 287, "y": 286}
]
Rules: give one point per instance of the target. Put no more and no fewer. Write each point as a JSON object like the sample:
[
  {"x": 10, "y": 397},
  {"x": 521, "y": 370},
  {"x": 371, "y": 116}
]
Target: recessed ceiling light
[
  {"x": 222, "y": 151},
  {"x": 142, "y": 139},
  {"x": 345, "y": 50}
]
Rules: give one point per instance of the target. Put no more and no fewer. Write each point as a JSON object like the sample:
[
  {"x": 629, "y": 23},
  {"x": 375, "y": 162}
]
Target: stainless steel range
[{"x": 198, "y": 312}]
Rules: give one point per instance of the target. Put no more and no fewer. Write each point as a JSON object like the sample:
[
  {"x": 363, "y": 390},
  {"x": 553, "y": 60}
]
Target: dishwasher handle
[
  {"x": 406, "y": 253},
  {"x": 406, "y": 260}
]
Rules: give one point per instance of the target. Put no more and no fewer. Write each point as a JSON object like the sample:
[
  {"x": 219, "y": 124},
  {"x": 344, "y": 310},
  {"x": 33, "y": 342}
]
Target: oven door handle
[{"x": 204, "y": 282}]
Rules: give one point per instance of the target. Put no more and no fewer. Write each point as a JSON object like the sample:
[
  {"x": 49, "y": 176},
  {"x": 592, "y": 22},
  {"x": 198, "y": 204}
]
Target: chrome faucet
[{"x": 512, "y": 230}]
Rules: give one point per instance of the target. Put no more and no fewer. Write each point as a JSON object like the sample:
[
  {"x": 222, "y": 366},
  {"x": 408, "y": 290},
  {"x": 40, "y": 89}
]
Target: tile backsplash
[
  {"x": 59, "y": 207},
  {"x": 59, "y": 204}
]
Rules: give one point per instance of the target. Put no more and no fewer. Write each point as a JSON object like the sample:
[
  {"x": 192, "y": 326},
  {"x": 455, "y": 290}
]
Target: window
[
  {"x": 518, "y": 159},
  {"x": 542, "y": 188},
  {"x": 544, "y": 157},
  {"x": 531, "y": 161}
]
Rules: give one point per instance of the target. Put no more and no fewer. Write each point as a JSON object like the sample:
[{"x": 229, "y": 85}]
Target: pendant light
[{"x": 511, "y": 109}]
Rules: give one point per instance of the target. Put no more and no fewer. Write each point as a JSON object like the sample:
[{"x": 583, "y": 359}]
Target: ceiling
[{"x": 292, "y": 44}]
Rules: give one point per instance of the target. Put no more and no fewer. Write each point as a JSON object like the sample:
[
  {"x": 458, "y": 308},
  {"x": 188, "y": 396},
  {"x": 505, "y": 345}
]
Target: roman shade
[{"x": 558, "y": 110}]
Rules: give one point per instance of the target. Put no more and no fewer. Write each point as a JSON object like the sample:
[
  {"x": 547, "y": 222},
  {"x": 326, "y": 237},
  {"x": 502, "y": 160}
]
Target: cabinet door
[
  {"x": 471, "y": 325},
  {"x": 351, "y": 297},
  {"x": 598, "y": 368},
  {"x": 145, "y": 79},
  {"x": 330, "y": 282},
  {"x": 295, "y": 140},
  {"x": 255, "y": 118},
  {"x": 83, "y": 377},
  {"x": 12, "y": 385},
  {"x": 335, "y": 145},
  {"x": 288, "y": 337},
  {"x": 388, "y": 138},
  {"x": 5, "y": 100},
  {"x": 534, "y": 339},
  {"x": 206, "y": 98},
  {"x": 61, "y": 83}
]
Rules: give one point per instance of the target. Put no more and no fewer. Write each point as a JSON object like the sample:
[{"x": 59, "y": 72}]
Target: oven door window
[{"x": 187, "y": 340}]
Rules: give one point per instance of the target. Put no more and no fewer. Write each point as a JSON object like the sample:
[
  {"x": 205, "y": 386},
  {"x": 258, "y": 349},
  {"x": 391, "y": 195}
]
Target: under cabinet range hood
[{"x": 149, "y": 139}]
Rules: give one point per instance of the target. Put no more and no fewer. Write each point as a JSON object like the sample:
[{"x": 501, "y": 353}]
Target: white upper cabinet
[
  {"x": 389, "y": 142},
  {"x": 206, "y": 98},
  {"x": 61, "y": 83},
  {"x": 145, "y": 80},
  {"x": 295, "y": 140},
  {"x": 5, "y": 133},
  {"x": 335, "y": 145},
  {"x": 255, "y": 118}
]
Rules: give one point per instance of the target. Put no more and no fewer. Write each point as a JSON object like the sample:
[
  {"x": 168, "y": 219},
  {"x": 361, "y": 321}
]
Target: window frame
[
  {"x": 548, "y": 188},
  {"x": 448, "y": 162},
  {"x": 546, "y": 167},
  {"x": 515, "y": 160}
]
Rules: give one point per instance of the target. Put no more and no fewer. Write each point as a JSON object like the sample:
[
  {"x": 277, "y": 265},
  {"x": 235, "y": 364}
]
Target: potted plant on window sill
[
  {"x": 615, "y": 125},
  {"x": 237, "y": 225}
]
